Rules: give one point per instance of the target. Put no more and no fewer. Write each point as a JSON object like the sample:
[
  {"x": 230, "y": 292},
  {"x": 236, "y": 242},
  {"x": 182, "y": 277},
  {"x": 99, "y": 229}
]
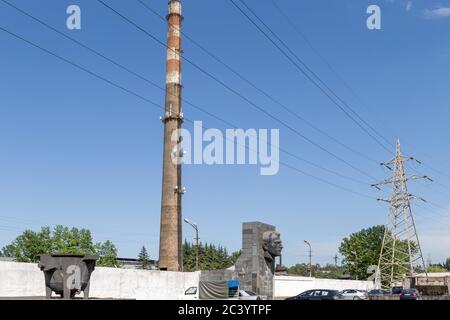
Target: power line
[
  {"x": 308, "y": 76},
  {"x": 362, "y": 103},
  {"x": 303, "y": 36},
  {"x": 240, "y": 95},
  {"x": 263, "y": 92},
  {"x": 310, "y": 70},
  {"x": 434, "y": 183},
  {"x": 328, "y": 64},
  {"x": 160, "y": 107},
  {"x": 147, "y": 80},
  {"x": 121, "y": 66}
]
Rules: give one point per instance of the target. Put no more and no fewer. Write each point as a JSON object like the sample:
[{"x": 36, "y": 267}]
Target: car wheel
[{"x": 356, "y": 298}]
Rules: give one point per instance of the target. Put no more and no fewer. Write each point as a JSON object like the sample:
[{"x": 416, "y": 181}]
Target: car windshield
[
  {"x": 409, "y": 291},
  {"x": 191, "y": 290},
  {"x": 250, "y": 293}
]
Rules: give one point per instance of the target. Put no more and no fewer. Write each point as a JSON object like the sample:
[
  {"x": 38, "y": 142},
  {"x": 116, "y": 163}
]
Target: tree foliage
[
  {"x": 329, "y": 271},
  {"x": 436, "y": 268},
  {"x": 30, "y": 244},
  {"x": 107, "y": 252},
  {"x": 362, "y": 250},
  {"x": 144, "y": 259},
  {"x": 210, "y": 257}
]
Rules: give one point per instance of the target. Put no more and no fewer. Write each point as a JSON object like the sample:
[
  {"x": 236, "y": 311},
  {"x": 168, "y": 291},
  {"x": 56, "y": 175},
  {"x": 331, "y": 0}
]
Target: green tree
[
  {"x": 300, "y": 269},
  {"x": 328, "y": 271},
  {"x": 447, "y": 264},
  {"x": 30, "y": 244},
  {"x": 436, "y": 268},
  {"x": 144, "y": 259},
  {"x": 362, "y": 250},
  {"x": 233, "y": 257},
  {"x": 107, "y": 252},
  {"x": 210, "y": 257},
  {"x": 72, "y": 241}
]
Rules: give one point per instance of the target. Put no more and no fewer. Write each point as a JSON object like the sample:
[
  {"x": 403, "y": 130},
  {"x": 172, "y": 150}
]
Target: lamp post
[
  {"x": 310, "y": 258},
  {"x": 195, "y": 226},
  {"x": 356, "y": 263}
]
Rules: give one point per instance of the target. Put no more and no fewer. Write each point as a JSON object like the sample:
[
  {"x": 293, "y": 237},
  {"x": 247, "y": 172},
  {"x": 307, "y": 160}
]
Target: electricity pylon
[{"x": 400, "y": 252}]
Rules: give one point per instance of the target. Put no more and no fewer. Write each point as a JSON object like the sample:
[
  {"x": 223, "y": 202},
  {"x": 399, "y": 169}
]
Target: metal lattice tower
[{"x": 401, "y": 253}]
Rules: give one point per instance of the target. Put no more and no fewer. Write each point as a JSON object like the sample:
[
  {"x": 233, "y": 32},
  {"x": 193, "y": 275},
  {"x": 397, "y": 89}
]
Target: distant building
[
  {"x": 129, "y": 263},
  {"x": 7, "y": 259},
  {"x": 434, "y": 284}
]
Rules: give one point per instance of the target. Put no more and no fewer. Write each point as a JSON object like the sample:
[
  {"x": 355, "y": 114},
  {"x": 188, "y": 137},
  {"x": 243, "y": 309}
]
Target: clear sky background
[{"x": 76, "y": 151}]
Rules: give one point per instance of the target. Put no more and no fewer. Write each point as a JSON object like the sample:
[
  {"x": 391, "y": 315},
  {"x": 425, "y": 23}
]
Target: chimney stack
[{"x": 170, "y": 250}]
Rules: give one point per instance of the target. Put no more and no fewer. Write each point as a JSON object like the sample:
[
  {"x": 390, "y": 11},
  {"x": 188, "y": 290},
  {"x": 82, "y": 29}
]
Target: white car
[
  {"x": 249, "y": 295},
  {"x": 353, "y": 294}
]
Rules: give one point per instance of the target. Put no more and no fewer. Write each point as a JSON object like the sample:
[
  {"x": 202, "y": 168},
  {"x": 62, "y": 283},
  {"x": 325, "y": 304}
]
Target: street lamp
[
  {"x": 310, "y": 258},
  {"x": 195, "y": 226},
  {"x": 356, "y": 263}
]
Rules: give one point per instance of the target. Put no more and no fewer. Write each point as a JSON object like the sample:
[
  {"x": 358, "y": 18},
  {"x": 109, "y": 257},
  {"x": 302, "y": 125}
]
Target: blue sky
[{"x": 79, "y": 152}]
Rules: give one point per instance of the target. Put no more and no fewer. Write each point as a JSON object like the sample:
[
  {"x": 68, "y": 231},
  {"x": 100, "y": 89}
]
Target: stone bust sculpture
[
  {"x": 272, "y": 245},
  {"x": 255, "y": 268}
]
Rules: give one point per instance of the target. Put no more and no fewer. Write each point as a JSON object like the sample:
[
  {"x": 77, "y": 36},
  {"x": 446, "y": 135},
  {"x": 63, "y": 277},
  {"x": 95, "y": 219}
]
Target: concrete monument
[{"x": 255, "y": 268}]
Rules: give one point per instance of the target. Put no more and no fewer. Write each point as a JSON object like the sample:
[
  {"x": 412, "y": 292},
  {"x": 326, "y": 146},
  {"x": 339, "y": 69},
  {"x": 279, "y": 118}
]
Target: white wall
[
  {"x": 26, "y": 280},
  {"x": 21, "y": 280},
  {"x": 141, "y": 284},
  {"x": 288, "y": 286}
]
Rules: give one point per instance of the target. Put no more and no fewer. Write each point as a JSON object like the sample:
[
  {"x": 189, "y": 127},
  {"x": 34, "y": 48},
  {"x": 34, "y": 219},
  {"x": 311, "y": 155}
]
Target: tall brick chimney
[{"x": 170, "y": 250}]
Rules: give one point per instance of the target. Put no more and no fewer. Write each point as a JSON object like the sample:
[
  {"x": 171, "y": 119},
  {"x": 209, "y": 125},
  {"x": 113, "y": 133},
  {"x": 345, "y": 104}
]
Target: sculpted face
[{"x": 272, "y": 244}]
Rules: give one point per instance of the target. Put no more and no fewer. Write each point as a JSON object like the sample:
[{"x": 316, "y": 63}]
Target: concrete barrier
[{"x": 26, "y": 280}]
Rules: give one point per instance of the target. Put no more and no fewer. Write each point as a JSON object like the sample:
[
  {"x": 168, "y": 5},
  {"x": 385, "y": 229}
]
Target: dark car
[
  {"x": 396, "y": 290},
  {"x": 317, "y": 294},
  {"x": 379, "y": 292},
  {"x": 409, "y": 294}
]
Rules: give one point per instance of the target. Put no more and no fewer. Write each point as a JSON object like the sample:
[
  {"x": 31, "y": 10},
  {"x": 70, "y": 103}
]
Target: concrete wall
[
  {"x": 288, "y": 286},
  {"x": 26, "y": 280},
  {"x": 21, "y": 280}
]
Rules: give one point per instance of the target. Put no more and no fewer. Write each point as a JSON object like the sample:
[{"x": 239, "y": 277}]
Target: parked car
[
  {"x": 353, "y": 294},
  {"x": 396, "y": 290},
  {"x": 317, "y": 294},
  {"x": 409, "y": 294},
  {"x": 378, "y": 293},
  {"x": 249, "y": 295}
]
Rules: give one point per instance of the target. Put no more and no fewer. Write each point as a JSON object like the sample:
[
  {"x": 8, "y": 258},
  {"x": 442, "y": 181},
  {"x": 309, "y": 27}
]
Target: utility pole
[
  {"x": 170, "y": 249},
  {"x": 356, "y": 263},
  {"x": 400, "y": 251},
  {"x": 310, "y": 258},
  {"x": 335, "y": 260},
  {"x": 195, "y": 226}
]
